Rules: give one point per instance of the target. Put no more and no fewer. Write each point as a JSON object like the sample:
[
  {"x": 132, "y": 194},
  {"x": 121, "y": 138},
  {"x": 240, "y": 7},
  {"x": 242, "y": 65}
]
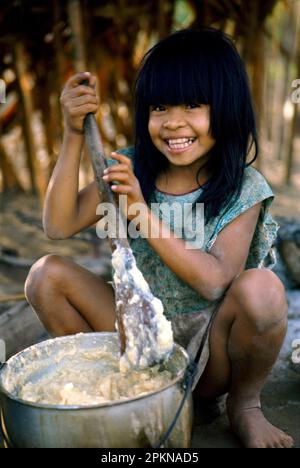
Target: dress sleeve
[{"x": 255, "y": 190}]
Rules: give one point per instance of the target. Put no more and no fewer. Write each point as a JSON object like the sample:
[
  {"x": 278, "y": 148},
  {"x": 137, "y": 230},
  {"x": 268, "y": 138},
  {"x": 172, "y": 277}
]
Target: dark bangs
[
  {"x": 197, "y": 66},
  {"x": 174, "y": 79}
]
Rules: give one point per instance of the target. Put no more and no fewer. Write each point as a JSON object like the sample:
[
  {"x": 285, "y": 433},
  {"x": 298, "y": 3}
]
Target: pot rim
[{"x": 95, "y": 406}]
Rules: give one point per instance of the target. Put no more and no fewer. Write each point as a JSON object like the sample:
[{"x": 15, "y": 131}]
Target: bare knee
[
  {"x": 45, "y": 273},
  {"x": 260, "y": 297}
]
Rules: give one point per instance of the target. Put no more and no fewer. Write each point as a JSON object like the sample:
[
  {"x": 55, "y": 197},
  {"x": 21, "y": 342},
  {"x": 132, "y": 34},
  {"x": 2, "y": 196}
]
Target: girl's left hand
[{"x": 128, "y": 183}]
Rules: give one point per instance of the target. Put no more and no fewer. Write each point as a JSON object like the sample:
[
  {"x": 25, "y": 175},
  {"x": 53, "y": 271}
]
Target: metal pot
[{"x": 136, "y": 422}]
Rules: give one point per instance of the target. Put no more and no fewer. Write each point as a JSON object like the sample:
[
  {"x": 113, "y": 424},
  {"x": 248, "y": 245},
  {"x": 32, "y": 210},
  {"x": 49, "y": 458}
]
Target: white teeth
[{"x": 180, "y": 143}]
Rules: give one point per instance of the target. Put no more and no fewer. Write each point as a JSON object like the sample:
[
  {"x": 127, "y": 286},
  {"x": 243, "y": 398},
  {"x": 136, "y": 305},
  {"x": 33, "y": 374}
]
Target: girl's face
[{"x": 181, "y": 132}]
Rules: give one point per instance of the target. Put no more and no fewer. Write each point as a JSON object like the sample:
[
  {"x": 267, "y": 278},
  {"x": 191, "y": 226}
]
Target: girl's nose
[
  {"x": 174, "y": 119},
  {"x": 173, "y": 124}
]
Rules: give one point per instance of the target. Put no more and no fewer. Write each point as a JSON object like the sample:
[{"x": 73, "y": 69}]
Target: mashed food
[{"x": 73, "y": 375}]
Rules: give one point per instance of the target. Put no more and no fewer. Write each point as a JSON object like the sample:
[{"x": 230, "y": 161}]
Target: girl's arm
[
  {"x": 209, "y": 274},
  {"x": 65, "y": 210}
]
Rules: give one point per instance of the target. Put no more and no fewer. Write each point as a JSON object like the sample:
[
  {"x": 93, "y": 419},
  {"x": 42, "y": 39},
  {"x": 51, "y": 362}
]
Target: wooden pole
[
  {"x": 293, "y": 125},
  {"x": 58, "y": 44},
  {"x": 254, "y": 55},
  {"x": 38, "y": 182},
  {"x": 79, "y": 57},
  {"x": 253, "y": 59},
  {"x": 290, "y": 155},
  {"x": 59, "y": 75},
  {"x": 258, "y": 81},
  {"x": 10, "y": 180},
  {"x": 270, "y": 82},
  {"x": 12, "y": 297},
  {"x": 76, "y": 24},
  {"x": 289, "y": 33},
  {"x": 27, "y": 111}
]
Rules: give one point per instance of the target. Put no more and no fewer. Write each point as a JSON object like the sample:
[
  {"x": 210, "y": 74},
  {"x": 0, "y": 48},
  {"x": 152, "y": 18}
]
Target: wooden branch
[
  {"x": 16, "y": 261},
  {"x": 20, "y": 327},
  {"x": 12, "y": 297}
]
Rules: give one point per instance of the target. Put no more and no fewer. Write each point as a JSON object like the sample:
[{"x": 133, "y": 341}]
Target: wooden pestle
[{"x": 99, "y": 163}]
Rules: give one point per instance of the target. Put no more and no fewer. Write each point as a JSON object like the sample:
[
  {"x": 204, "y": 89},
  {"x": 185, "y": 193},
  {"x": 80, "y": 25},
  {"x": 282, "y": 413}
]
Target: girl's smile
[{"x": 179, "y": 145}]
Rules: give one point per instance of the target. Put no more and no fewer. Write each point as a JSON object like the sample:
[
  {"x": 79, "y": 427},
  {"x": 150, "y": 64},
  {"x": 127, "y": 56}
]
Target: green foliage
[{"x": 184, "y": 14}]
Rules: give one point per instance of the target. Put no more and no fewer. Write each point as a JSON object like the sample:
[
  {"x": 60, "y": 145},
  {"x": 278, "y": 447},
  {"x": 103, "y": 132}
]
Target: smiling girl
[{"x": 194, "y": 135}]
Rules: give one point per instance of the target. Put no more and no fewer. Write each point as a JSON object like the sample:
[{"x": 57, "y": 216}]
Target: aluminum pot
[{"x": 136, "y": 422}]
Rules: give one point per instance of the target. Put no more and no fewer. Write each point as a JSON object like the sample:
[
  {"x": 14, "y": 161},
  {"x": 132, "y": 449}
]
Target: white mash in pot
[
  {"x": 75, "y": 376},
  {"x": 90, "y": 375}
]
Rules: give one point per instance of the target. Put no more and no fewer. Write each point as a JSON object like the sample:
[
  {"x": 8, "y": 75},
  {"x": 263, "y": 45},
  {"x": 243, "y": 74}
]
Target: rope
[
  {"x": 187, "y": 387},
  {"x": 188, "y": 379}
]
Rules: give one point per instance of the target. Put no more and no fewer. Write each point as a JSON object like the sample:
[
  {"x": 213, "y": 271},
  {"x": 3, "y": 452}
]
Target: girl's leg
[
  {"x": 68, "y": 298},
  {"x": 245, "y": 340}
]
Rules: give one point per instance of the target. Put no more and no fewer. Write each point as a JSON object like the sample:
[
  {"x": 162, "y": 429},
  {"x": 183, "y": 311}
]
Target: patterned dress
[{"x": 190, "y": 314}]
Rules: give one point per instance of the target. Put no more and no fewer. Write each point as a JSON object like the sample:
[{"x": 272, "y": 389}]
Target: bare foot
[{"x": 253, "y": 429}]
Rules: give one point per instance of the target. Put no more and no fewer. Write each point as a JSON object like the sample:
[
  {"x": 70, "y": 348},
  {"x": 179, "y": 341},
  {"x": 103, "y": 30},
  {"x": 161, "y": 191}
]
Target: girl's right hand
[{"x": 77, "y": 100}]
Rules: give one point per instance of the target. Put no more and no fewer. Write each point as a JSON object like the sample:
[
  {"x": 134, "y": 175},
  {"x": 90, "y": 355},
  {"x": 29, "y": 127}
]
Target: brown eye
[
  {"x": 193, "y": 105},
  {"x": 158, "y": 108}
]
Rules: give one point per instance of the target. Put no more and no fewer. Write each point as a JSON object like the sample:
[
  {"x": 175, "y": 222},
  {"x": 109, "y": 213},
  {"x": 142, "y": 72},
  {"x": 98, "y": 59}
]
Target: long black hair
[{"x": 198, "y": 66}]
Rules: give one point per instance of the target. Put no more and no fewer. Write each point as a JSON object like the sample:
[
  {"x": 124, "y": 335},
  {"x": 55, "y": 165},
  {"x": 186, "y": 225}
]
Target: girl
[{"x": 194, "y": 129}]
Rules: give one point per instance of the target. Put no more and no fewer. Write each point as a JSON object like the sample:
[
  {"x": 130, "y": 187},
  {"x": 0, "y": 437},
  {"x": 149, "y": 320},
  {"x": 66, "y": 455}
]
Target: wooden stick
[
  {"x": 13, "y": 297},
  {"x": 16, "y": 261},
  {"x": 10, "y": 178},
  {"x": 99, "y": 162}
]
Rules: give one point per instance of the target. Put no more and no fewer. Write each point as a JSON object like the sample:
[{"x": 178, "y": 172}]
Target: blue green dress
[{"x": 190, "y": 313}]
